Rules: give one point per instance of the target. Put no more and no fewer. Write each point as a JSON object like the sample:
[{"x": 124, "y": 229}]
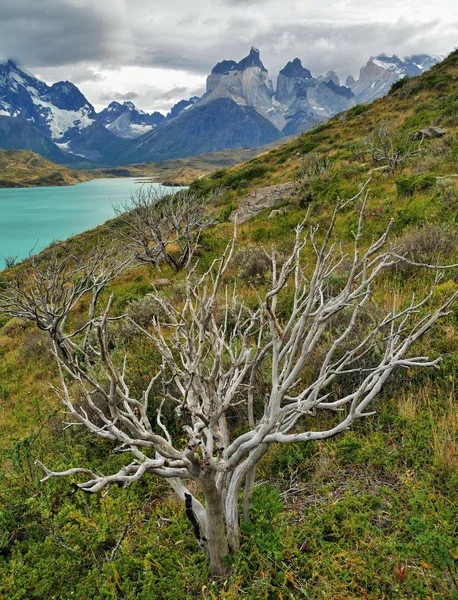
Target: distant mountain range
[
  {"x": 380, "y": 72},
  {"x": 240, "y": 108},
  {"x": 127, "y": 121}
]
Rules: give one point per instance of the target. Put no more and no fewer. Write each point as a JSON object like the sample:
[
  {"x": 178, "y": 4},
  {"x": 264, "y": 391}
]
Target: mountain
[
  {"x": 127, "y": 121},
  {"x": 303, "y": 101},
  {"x": 59, "y": 111},
  {"x": 380, "y": 72},
  {"x": 241, "y": 109},
  {"x": 206, "y": 127},
  {"x": 18, "y": 133},
  {"x": 300, "y": 101}
]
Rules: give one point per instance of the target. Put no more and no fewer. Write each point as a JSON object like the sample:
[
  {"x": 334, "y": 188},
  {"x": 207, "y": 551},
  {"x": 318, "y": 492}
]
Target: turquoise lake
[{"x": 34, "y": 217}]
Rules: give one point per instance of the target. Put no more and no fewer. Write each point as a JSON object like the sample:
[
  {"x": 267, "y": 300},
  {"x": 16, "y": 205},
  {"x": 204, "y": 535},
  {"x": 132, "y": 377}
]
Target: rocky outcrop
[
  {"x": 430, "y": 132},
  {"x": 260, "y": 199}
]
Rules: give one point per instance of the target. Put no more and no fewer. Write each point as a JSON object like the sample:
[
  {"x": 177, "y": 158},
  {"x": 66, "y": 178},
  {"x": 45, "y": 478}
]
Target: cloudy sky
[{"x": 156, "y": 52}]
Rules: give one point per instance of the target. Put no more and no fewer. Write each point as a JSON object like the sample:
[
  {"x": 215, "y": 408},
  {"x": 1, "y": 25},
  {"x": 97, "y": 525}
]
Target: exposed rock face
[
  {"x": 127, "y": 121},
  {"x": 291, "y": 81},
  {"x": 307, "y": 101},
  {"x": 300, "y": 116},
  {"x": 246, "y": 82},
  {"x": 380, "y": 72},
  {"x": 260, "y": 199},
  {"x": 327, "y": 99},
  {"x": 295, "y": 69}
]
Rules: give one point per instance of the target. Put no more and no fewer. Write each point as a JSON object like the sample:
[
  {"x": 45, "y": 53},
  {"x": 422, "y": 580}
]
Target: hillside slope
[
  {"x": 17, "y": 133},
  {"x": 371, "y": 513},
  {"x": 20, "y": 168}
]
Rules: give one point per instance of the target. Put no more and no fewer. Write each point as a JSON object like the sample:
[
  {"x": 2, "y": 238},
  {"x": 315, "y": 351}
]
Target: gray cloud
[
  {"x": 82, "y": 40},
  {"x": 75, "y": 74},
  {"x": 109, "y": 97},
  {"x": 151, "y": 98},
  {"x": 176, "y": 92}
]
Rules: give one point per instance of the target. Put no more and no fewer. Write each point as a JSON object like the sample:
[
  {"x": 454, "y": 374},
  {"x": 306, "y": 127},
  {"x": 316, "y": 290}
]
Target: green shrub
[
  {"x": 407, "y": 185},
  {"x": 359, "y": 109},
  {"x": 404, "y": 186}
]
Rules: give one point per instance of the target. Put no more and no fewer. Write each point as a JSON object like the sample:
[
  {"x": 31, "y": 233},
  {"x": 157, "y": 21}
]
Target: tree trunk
[
  {"x": 244, "y": 472},
  {"x": 216, "y": 545},
  {"x": 248, "y": 492},
  {"x": 232, "y": 522}
]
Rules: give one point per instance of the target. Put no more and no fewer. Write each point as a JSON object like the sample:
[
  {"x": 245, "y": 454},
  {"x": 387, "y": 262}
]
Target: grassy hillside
[
  {"x": 372, "y": 513},
  {"x": 21, "y": 168},
  {"x": 183, "y": 171}
]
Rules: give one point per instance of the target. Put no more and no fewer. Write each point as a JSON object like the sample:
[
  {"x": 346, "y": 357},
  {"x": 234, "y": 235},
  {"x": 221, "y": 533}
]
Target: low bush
[{"x": 407, "y": 185}]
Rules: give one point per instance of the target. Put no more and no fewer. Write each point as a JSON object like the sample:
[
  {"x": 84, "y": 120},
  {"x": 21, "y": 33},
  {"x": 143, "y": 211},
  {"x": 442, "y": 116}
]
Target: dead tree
[
  {"x": 392, "y": 149},
  {"x": 313, "y": 165},
  {"x": 160, "y": 228},
  {"x": 52, "y": 286},
  {"x": 213, "y": 347}
]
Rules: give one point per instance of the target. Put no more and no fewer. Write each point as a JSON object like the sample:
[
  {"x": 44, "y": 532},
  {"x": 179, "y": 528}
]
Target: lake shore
[{"x": 33, "y": 218}]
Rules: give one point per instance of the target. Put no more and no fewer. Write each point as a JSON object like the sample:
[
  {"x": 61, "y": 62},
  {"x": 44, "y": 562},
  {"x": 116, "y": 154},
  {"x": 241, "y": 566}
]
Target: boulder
[
  {"x": 430, "y": 132},
  {"x": 278, "y": 212},
  {"x": 260, "y": 199},
  {"x": 161, "y": 282}
]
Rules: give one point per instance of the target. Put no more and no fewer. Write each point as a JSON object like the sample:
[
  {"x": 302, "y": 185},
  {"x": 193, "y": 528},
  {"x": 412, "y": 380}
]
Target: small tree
[
  {"x": 313, "y": 165},
  {"x": 214, "y": 346},
  {"x": 160, "y": 228},
  {"x": 391, "y": 148},
  {"x": 52, "y": 286},
  {"x": 9, "y": 261}
]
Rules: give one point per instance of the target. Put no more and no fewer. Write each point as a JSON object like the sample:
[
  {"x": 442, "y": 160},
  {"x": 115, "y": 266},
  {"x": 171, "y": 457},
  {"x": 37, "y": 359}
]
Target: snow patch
[
  {"x": 60, "y": 121},
  {"x": 141, "y": 129},
  {"x": 394, "y": 68}
]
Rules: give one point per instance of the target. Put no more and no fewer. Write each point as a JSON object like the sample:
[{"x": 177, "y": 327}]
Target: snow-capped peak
[{"x": 59, "y": 111}]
